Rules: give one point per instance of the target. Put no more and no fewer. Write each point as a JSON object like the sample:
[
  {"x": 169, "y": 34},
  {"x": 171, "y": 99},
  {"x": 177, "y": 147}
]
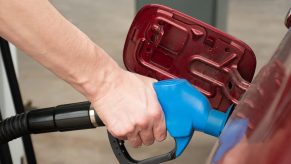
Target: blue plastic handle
[{"x": 186, "y": 109}]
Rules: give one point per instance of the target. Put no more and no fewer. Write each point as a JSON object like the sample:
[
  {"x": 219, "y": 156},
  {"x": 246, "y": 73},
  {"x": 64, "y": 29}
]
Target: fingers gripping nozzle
[{"x": 186, "y": 109}]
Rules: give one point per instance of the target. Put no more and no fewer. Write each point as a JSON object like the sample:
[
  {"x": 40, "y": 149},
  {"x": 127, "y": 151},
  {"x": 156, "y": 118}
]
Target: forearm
[
  {"x": 125, "y": 102},
  {"x": 37, "y": 28}
]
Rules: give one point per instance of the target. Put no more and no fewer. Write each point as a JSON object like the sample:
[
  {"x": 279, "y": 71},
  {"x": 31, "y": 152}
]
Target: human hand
[
  {"x": 130, "y": 110},
  {"x": 126, "y": 102}
]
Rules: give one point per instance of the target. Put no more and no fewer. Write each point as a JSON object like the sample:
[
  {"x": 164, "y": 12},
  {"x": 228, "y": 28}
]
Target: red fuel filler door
[{"x": 164, "y": 43}]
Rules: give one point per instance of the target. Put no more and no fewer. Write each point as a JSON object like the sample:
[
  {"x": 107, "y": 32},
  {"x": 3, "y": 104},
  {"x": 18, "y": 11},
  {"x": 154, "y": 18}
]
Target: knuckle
[
  {"x": 156, "y": 114},
  {"x": 117, "y": 132},
  {"x": 122, "y": 132},
  {"x": 129, "y": 129},
  {"x": 143, "y": 123}
]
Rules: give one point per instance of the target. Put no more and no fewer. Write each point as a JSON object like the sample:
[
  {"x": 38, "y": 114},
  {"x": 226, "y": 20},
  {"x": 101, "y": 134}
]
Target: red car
[
  {"x": 171, "y": 44},
  {"x": 259, "y": 130}
]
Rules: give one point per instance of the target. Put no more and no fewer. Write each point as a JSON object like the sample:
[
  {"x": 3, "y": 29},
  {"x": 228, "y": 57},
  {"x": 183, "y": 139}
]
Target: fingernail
[{"x": 161, "y": 139}]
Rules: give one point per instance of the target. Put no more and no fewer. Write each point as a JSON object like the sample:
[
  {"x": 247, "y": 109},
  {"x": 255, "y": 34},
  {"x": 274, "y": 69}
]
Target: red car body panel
[{"x": 266, "y": 106}]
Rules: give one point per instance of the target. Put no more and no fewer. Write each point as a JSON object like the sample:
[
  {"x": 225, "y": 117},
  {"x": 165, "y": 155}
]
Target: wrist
[{"x": 99, "y": 77}]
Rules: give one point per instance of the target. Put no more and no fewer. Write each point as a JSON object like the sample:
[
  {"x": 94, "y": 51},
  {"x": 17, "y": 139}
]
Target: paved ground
[{"x": 257, "y": 22}]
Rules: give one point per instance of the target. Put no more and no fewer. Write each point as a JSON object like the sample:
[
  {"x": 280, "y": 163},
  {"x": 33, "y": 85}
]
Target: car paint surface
[{"x": 259, "y": 130}]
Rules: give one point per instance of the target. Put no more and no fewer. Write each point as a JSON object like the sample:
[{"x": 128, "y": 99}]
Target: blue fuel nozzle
[{"x": 186, "y": 109}]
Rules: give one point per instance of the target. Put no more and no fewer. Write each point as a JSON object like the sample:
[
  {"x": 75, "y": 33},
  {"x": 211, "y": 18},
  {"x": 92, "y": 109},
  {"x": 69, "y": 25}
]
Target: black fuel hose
[{"x": 67, "y": 117}]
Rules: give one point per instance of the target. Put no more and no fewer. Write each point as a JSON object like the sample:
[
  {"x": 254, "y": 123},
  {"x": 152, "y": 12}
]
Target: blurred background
[{"x": 259, "y": 23}]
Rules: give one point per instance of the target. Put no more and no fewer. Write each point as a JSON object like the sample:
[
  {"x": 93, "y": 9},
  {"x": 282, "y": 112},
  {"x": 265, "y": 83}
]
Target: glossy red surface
[
  {"x": 164, "y": 43},
  {"x": 267, "y": 107}
]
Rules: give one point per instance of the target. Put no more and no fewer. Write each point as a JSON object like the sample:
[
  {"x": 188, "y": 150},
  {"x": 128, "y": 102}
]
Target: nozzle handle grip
[{"x": 185, "y": 109}]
